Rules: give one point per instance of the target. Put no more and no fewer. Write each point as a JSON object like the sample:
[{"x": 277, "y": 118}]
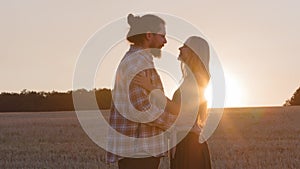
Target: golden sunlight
[
  {"x": 208, "y": 95},
  {"x": 235, "y": 94}
]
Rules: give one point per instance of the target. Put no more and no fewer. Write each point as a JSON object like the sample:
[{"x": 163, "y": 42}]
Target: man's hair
[{"x": 139, "y": 26}]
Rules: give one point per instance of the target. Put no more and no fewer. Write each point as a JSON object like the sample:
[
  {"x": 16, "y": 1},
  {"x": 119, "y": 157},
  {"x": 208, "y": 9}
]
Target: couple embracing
[{"x": 145, "y": 120}]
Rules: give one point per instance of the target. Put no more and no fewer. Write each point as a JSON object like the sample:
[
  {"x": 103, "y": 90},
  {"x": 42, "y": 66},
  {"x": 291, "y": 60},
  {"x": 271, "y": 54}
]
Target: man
[{"x": 133, "y": 117}]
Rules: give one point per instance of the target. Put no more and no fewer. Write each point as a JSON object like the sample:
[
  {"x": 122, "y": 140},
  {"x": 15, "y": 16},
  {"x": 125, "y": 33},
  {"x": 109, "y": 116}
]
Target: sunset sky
[{"x": 257, "y": 43}]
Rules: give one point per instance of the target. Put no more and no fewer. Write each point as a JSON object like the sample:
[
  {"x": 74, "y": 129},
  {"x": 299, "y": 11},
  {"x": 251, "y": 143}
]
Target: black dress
[{"x": 190, "y": 154}]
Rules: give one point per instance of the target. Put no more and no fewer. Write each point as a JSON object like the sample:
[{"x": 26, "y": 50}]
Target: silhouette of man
[{"x": 147, "y": 37}]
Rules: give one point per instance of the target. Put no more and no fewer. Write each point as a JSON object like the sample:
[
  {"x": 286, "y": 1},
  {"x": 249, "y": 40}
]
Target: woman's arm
[{"x": 145, "y": 82}]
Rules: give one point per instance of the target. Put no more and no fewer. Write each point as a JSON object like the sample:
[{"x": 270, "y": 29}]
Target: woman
[{"x": 194, "y": 57}]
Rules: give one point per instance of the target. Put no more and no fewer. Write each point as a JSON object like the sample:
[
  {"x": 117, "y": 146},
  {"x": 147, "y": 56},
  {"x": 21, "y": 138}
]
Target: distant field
[{"x": 266, "y": 138}]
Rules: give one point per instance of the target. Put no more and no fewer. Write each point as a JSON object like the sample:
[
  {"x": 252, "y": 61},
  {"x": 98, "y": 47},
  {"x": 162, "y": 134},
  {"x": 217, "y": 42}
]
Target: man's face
[{"x": 157, "y": 41}]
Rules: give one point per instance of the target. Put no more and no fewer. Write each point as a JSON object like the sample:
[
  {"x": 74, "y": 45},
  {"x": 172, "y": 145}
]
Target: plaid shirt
[{"x": 136, "y": 59}]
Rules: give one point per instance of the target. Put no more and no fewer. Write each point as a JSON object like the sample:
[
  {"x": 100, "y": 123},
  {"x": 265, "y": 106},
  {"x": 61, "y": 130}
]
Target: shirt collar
[{"x": 145, "y": 53}]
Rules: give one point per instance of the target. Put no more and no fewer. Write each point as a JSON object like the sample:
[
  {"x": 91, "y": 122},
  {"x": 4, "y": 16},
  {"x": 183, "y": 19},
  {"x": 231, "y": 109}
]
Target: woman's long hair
[{"x": 202, "y": 76}]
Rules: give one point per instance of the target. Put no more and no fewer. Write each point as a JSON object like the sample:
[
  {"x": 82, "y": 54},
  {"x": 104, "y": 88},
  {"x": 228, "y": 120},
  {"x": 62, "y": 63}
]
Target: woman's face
[{"x": 185, "y": 54}]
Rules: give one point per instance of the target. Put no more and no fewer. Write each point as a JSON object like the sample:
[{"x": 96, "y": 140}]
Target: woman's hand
[{"x": 144, "y": 81}]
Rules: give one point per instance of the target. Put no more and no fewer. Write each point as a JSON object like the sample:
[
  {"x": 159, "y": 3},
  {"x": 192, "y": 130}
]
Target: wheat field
[{"x": 266, "y": 138}]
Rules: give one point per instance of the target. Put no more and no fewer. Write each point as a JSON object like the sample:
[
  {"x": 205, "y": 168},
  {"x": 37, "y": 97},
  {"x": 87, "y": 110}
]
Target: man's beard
[{"x": 156, "y": 52}]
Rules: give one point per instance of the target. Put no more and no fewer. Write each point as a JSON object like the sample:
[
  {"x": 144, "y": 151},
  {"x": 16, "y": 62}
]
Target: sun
[{"x": 235, "y": 94}]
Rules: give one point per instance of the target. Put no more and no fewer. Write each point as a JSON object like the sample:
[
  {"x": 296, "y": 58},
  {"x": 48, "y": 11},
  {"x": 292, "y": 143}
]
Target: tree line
[
  {"x": 32, "y": 101},
  {"x": 294, "y": 100},
  {"x": 63, "y": 101}
]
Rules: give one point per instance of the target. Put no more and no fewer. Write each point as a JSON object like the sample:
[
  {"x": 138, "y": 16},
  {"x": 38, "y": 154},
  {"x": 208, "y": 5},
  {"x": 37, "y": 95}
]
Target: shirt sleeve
[
  {"x": 164, "y": 121},
  {"x": 139, "y": 96}
]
